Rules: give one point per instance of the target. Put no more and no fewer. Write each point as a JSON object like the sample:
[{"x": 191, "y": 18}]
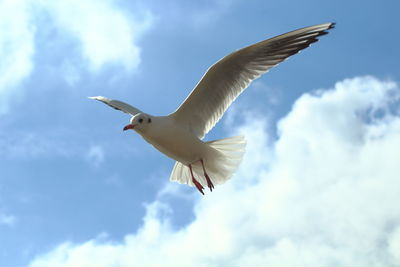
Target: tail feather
[{"x": 231, "y": 151}]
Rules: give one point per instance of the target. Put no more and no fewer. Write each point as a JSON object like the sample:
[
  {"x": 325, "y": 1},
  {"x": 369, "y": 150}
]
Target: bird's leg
[
  {"x": 196, "y": 183},
  {"x": 209, "y": 182}
]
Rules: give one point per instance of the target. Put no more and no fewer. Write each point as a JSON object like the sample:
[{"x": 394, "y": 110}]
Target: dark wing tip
[
  {"x": 331, "y": 26},
  {"x": 291, "y": 43},
  {"x": 325, "y": 31}
]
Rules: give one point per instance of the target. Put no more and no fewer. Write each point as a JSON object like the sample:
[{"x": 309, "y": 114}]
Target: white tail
[{"x": 219, "y": 170}]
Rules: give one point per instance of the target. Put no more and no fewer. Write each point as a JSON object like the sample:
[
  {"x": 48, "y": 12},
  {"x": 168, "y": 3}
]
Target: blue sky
[{"x": 319, "y": 181}]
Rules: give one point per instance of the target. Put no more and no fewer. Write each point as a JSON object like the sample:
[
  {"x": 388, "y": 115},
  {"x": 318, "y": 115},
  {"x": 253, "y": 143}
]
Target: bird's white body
[
  {"x": 220, "y": 157},
  {"x": 179, "y": 135},
  {"x": 174, "y": 141}
]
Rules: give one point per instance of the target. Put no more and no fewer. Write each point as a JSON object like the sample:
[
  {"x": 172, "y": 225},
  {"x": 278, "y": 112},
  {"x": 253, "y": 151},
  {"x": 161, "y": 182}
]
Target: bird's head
[{"x": 139, "y": 122}]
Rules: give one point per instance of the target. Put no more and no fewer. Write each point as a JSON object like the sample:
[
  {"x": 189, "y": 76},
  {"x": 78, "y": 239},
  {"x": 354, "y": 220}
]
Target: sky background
[{"x": 319, "y": 183}]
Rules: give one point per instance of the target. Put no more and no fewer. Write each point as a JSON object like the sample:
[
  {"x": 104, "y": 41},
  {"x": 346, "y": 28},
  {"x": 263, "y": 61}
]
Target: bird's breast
[{"x": 176, "y": 143}]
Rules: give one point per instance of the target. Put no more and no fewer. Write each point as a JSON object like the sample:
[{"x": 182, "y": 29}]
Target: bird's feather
[
  {"x": 118, "y": 105},
  {"x": 227, "y": 78},
  {"x": 232, "y": 150}
]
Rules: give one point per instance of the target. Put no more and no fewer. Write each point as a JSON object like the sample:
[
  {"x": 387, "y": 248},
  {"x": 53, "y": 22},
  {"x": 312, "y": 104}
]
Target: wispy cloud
[
  {"x": 193, "y": 14},
  {"x": 7, "y": 219},
  {"x": 95, "y": 155},
  {"x": 326, "y": 191},
  {"x": 33, "y": 145},
  {"x": 205, "y": 15}
]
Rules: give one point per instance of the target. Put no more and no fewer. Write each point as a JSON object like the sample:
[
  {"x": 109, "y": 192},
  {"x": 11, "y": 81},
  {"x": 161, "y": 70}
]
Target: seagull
[{"x": 180, "y": 134}]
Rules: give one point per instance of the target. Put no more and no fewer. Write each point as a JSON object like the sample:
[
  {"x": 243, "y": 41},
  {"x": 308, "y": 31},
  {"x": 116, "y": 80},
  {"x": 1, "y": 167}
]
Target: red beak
[{"x": 129, "y": 126}]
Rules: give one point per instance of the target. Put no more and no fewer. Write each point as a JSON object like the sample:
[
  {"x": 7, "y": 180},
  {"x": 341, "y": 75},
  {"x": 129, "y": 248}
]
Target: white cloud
[
  {"x": 7, "y": 219},
  {"x": 16, "y": 48},
  {"x": 107, "y": 34},
  {"x": 71, "y": 73},
  {"x": 206, "y": 16},
  {"x": 324, "y": 193},
  {"x": 95, "y": 155},
  {"x": 394, "y": 245},
  {"x": 194, "y": 14},
  {"x": 34, "y": 145}
]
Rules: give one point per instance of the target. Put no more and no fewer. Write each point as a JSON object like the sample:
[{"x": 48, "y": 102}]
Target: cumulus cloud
[
  {"x": 324, "y": 193},
  {"x": 105, "y": 34},
  {"x": 16, "y": 48}
]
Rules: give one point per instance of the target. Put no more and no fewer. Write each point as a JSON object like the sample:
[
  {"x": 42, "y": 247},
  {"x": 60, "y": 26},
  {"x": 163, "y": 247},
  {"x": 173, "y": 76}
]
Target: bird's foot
[
  {"x": 209, "y": 182},
  {"x": 198, "y": 185}
]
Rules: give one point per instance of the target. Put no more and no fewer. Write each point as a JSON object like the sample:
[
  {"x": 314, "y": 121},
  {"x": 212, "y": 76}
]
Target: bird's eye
[{"x": 140, "y": 120}]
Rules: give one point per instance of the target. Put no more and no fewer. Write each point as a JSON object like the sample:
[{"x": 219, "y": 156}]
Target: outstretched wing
[
  {"x": 227, "y": 78},
  {"x": 117, "y": 105}
]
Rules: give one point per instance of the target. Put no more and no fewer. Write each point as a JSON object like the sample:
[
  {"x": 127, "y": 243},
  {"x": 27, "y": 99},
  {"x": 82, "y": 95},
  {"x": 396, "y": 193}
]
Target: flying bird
[{"x": 179, "y": 135}]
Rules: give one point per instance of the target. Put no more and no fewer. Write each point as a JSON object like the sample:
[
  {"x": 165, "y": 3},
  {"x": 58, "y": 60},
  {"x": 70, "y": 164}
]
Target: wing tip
[
  {"x": 325, "y": 28},
  {"x": 99, "y": 98},
  {"x": 331, "y": 25}
]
